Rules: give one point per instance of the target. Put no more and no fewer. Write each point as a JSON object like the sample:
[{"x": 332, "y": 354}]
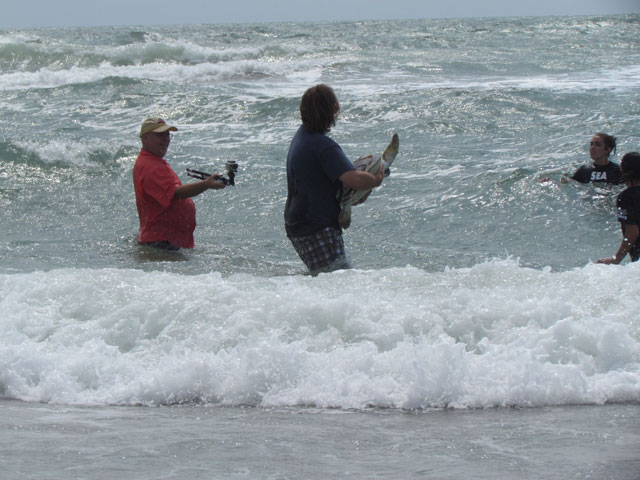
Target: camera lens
[{"x": 231, "y": 167}]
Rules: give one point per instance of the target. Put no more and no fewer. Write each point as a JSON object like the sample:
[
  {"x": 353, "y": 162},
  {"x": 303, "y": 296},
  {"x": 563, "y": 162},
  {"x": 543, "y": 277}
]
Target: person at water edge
[
  {"x": 602, "y": 170},
  {"x": 317, "y": 169},
  {"x": 165, "y": 209},
  {"x": 628, "y": 210}
]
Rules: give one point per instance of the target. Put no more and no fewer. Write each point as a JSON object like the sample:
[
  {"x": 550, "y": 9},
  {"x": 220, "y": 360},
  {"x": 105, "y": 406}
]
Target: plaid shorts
[{"x": 323, "y": 251}]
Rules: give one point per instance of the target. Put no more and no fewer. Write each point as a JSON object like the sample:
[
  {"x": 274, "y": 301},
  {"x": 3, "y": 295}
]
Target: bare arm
[
  {"x": 196, "y": 188},
  {"x": 629, "y": 239},
  {"x": 359, "y": 180}
]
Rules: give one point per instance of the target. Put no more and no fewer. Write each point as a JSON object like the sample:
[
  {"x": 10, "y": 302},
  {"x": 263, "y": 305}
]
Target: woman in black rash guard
[{"x": 602, "y": 170}]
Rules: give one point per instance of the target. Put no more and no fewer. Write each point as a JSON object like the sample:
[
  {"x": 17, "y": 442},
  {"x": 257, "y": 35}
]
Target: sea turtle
[{"x": 370, "y": 163}]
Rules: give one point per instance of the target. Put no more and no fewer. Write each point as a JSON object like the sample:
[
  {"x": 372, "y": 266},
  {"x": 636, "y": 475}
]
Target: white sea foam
[
  {"x": 475, "y": 132},
  {"x": 66, "y": 151},
  {"x": 494, "y": 334},
  {"x": 174, "y": 72},
  {"x": 17, "y": 37},
  {"x": 234, "y": 65},
  {"x": 623, "y": 79}
]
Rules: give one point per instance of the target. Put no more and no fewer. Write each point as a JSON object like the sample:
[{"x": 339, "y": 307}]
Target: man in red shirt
[{"x": 167, "y": 213}]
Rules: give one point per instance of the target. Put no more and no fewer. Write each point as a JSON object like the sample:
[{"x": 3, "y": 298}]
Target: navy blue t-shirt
[
  {"x": 609, "y": 173},
  {"x": 314, "y": 164},
  {"x": 628, "y": 204}
]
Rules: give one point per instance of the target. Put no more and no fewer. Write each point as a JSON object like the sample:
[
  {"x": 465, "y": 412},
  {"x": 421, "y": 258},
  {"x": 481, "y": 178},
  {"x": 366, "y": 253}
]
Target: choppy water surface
[{"x": 474, "y": 284}]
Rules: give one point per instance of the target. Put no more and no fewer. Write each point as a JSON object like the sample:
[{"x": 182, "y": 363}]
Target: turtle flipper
[
  {"x": 344, "y": 219},
  {"x": 390, "y": 153}
]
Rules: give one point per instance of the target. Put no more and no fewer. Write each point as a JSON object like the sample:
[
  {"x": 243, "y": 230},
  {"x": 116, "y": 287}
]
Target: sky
[{"x": 40, "y": 13}]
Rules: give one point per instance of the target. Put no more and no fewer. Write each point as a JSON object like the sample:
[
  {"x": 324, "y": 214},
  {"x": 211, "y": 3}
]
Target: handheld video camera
[{"x": 231, "y": 168}]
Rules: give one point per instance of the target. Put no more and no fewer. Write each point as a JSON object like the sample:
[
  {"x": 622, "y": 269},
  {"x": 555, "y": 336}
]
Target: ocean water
[{"x": 476, "y": 337}]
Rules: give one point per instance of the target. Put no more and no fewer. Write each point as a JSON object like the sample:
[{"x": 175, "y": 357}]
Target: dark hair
[
  {"x": 609, "y": 141},
  {"x": 319, "y": 109},
  {"x": 630, "y": 166}
]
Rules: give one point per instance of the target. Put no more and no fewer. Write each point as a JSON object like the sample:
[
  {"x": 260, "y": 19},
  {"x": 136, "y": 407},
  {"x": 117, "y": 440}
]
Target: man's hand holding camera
[
  {"x": 219, "y": 181},
  {"x": 215, "y": 181}
]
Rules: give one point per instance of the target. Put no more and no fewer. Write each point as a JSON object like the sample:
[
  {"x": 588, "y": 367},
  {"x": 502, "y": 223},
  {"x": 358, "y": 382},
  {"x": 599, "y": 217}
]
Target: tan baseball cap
[{"x": 156, "y": 125}]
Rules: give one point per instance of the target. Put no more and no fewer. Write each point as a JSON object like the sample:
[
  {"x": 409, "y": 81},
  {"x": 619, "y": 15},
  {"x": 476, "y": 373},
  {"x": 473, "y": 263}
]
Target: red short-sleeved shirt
[{"x": 162, "y": 218}]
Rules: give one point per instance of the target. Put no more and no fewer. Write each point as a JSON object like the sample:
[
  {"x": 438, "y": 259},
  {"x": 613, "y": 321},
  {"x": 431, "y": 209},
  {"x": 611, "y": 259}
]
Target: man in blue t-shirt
[{"x": 316, "y": 170}]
